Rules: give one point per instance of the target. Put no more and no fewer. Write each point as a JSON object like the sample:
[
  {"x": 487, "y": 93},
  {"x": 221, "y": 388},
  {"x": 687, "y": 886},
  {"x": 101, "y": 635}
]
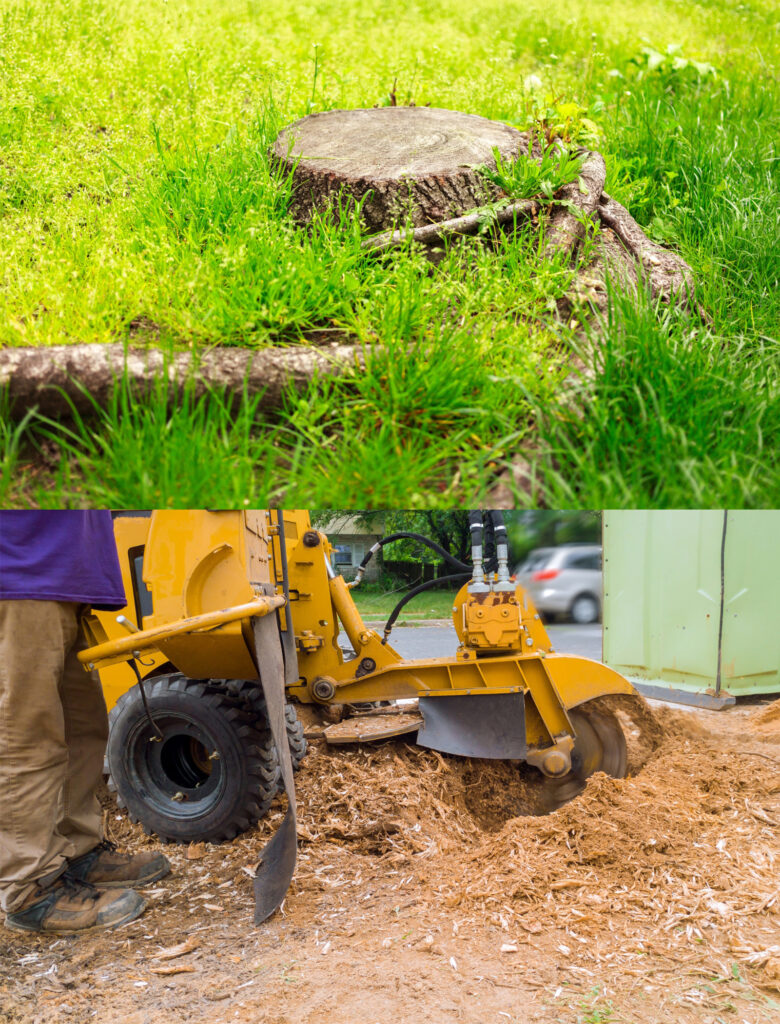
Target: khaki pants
[{"x": 53, "y": 731}]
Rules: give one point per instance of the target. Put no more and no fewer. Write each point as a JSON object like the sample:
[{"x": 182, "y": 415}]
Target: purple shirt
[{"x": 60, "y": 556}]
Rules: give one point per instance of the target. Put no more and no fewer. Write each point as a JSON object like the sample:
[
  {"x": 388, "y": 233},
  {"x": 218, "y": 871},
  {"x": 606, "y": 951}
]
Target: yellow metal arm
[{"x": 122, "y": 648}]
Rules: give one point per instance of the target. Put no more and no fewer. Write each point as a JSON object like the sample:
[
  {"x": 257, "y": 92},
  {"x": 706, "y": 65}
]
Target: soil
[{"x": 427, "y": 888}]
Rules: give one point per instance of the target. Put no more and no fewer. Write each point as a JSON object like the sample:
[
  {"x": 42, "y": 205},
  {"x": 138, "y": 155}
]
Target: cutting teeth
[{"x": 599, "y": 745}]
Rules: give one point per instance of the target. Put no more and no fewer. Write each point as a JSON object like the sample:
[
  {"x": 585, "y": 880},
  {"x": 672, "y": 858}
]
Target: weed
[
  {"x": 595, "y": 1010},
  {"x": 12, "y": 437},
  {"x": 528, "y": 178}
]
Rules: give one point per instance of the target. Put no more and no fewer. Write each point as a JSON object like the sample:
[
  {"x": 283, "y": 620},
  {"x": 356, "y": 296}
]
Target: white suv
[{"x": 564, "y": 581}]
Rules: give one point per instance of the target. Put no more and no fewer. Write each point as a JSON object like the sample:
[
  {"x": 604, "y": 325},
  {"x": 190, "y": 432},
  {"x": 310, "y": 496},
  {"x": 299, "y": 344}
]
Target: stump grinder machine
[{"x": 236, "y": 619}]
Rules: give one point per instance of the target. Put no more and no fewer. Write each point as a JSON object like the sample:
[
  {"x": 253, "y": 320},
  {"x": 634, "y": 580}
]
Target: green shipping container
[{"x": 692, "y": 602}]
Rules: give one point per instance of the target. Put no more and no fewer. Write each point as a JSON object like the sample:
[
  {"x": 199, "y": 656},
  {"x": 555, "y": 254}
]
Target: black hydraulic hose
[
  {"x": 477, "y": 532},
  {"x": 413, "y": 593},
  {"x": 498, "y": 524},
  {"x": 490, "y": 541},
  {"x": 404, "y": 535},
  {"x": 501, "y": 543}
]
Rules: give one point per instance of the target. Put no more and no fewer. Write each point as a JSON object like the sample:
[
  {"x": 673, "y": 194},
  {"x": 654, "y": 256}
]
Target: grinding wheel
[{"x": 599, "y": 746}]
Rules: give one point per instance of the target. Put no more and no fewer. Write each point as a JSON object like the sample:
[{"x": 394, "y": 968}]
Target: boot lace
[{"x": 76, "y": 887}]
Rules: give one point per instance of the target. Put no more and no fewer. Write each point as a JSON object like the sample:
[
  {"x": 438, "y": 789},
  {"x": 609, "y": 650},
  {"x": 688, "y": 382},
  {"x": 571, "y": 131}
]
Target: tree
[{"x": 450, "y": 529}]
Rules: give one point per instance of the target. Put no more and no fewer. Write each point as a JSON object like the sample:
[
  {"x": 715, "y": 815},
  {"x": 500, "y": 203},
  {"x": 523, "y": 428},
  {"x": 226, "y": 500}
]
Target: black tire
[
  {"x": 585, "y": 609},
  {"x": 213, "y": 775},
  {"x": 251, "y": 696},
  {"x": 295, "y": 737}
]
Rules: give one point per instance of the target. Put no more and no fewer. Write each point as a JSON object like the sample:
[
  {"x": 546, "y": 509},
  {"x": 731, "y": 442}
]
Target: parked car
[{"x": 564, "y": 581}]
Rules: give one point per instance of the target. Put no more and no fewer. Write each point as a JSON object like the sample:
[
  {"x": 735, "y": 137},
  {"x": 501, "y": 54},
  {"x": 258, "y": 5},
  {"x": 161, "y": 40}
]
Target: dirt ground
[{"x": 426, "y": 891}]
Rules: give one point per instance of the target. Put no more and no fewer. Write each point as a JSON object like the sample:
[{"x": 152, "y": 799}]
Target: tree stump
[
  {"x": 402, "y": 162},
  {"x": 419, "y": 165}
]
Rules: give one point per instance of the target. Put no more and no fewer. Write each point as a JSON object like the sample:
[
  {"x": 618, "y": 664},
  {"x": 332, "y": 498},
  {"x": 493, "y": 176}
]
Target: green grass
[
  {"x": 710, "y": 439},
  {"x": 137, "y": 202},
  {"x": 374, "y": 602}
]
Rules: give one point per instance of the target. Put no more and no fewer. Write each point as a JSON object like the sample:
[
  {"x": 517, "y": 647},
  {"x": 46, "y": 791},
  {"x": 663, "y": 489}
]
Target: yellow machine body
[
  {"x": 195, "y": 578},
  {"x": 231, "y": 615},
  {"x": 179, "y": 565}
]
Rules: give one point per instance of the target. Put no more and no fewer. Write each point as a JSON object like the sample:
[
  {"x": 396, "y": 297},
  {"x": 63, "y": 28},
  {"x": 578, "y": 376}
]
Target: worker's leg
[
  {"x": 49, "y": 768},
  {"x": 86, "y": 733},
  {"x": 34, "y": 639}
]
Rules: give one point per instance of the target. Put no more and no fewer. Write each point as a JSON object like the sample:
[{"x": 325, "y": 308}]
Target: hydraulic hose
[
  {"x": 464, "y": 570},
  {"x": 413, "y": 593},
  {"x": 503, "y": 582},
  {"x": 478, "y": 584},
  {"x": 404, "y": 535},
  {"x": 154, "y": 725}
]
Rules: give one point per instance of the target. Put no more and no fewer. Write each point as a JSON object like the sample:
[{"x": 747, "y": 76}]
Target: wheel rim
[
  {"x": 181, "y": 775},
  {"x": 599, "y": 745},
  {"x": 584, "y": 610}
]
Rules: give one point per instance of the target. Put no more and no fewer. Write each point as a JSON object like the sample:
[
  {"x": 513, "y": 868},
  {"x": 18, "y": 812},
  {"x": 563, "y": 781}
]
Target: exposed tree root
[{"x": 57, "y": 378}]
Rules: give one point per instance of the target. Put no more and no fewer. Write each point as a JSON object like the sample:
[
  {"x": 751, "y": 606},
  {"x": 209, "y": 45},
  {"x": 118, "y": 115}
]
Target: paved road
[{"x": 438, "y": 641}]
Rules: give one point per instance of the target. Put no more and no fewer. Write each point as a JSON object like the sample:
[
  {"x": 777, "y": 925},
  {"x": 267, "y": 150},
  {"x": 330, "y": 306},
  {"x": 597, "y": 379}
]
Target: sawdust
[
  {"x": 765, "y": 722},
  {"x": 395, "y": 796},
  {"x": 688, "y": 844},
  {"x": 689, "y": 835},
  {"x": 658, "y": 892},
  {"x": 670, "y": 841}
]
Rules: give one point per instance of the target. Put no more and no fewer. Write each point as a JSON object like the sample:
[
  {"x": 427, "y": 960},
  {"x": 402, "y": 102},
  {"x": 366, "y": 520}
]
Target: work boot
[
  {"x": 107, "y": 868},
  {"x": 68, "y": 906}
]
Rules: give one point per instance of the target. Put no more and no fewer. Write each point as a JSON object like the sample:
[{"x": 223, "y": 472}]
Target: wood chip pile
[
  {"x": 681, "y": 858},
  {"x": 683, "y": 853},
  {"x": 765, "y": 723}
]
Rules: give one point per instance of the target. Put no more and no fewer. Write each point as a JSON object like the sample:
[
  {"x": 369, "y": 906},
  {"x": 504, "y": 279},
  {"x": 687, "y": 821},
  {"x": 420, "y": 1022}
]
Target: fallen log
[{"x": 58, "y": 378}]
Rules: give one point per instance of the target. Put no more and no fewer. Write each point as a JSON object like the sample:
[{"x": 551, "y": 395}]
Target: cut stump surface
[{"x": 418, "y": 161}]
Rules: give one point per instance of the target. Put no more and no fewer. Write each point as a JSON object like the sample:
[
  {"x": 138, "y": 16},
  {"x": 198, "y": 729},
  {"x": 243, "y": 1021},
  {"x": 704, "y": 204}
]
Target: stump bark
[{"x": 417, "y": 162}]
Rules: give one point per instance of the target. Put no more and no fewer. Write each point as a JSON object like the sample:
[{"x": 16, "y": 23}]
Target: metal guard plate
[{"x": 481, "y": 725}]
